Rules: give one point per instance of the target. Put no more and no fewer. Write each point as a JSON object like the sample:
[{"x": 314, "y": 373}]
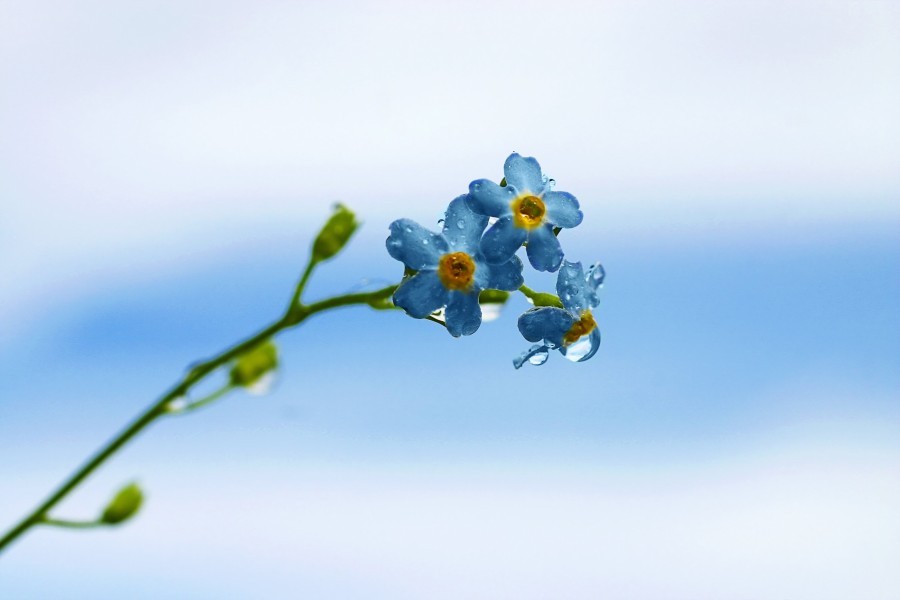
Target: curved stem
[
  {"x": 540, "y": 298},
  {"x": 72, "y": 524},
  {"x": 295, "y": 314},
  {"x": 205, "y": 401}
]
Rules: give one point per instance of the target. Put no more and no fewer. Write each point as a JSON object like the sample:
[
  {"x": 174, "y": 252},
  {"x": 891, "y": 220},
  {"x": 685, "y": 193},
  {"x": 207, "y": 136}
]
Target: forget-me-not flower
[
  {"x": 528, "y": 210},
  {"x": 451, "y": 270},
  {"x": 573, "y": 330}
]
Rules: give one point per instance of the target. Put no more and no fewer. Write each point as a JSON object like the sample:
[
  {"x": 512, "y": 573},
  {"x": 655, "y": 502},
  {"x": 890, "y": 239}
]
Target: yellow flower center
[
  {"x": 580, "y": 328},
  {"x": 528, "y": 211},
  {"x": 456, "y": 271}
]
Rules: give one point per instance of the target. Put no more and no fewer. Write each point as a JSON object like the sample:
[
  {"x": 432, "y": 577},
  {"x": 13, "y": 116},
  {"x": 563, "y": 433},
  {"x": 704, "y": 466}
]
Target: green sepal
[
  {"x": 124, "y": 505},
  {"x": 493, "y": 297},
  {"x": 253, "y": 364},
  {"x": 335, "y": 234}
]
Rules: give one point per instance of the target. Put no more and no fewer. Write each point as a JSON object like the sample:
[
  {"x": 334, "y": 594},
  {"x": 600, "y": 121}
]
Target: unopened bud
[
  {"x": 335, "y": 234},
  {"x": 254, "y": 364},
  {"x": 124, "y": 505}
]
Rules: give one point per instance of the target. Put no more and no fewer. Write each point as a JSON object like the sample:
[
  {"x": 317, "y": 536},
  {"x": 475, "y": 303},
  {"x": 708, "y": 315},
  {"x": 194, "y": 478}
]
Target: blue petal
[
  {"x": 421, "y": 294},
  {"x": 505, "y": 276},
  {"x": 538, "y": 352},
  {"x": 562, "y": 209},
  {"x": 462, "y": 227},
  {"x": 463, "y": 313},
  {"x": 545, "y": 323},
  {"x": 488, "y": 198},
  {"x": 544, "y": 251},
  {"x": 501, "y": 241},
  {"x": 572, "y": 288},
  {"x": 414, "y": 245},
  {"x": 594, "y": 280},
  {"x": 524, "y": 174}
]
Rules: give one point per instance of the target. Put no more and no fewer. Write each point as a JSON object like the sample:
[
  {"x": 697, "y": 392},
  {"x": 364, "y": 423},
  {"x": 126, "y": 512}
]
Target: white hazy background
[{"x": 140, "y": 140}]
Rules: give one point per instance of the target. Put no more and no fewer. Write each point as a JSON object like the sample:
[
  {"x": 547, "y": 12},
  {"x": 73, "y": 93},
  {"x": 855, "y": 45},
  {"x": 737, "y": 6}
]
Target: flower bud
[
  {"x": 335, "y": 234},
  {"x": 254, "y": 364},
  {"x": 123, "y": 506}
]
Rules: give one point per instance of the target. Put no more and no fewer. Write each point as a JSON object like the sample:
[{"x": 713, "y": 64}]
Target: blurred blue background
[{"x": 166, "y": 165}]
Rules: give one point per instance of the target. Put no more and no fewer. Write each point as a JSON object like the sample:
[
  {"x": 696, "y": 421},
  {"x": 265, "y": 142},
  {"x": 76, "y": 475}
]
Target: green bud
[
  {"x": 253, "y": 364},
  {"x": 123, "y": 506},
  {"x": 542, "y": 299},
  {"x": 335, "y": 234},
  {"x": 493, "y": 297}
]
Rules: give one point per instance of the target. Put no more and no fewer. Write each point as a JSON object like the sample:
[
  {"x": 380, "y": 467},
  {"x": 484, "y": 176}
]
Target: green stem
[
  {"x": 295, "y": 314},
  {"x": 540, "y": 298},
  {"x": 192, "y": 406},
  {"x": 298, "y": 291},
  {"x": 72, "y": 524}
]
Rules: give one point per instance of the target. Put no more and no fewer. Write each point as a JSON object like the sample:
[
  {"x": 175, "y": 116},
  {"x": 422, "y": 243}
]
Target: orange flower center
[
  {"x": 456, "y": 271},
  {"x": 580, "y": 328},
  {"x": 528, "y": 211}
]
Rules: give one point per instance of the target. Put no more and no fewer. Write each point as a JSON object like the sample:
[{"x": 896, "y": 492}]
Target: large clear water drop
[{"x": 584, "y": 348}]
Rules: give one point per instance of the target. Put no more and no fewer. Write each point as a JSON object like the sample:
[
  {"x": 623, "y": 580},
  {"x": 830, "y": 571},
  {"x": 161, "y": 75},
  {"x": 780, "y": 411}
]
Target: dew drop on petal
[
  {"x": 539, "y": 358},
  {"x": 476, "y": 186},
  {"x": 408, "y": 229},
  {"x": 582, "y": 349},
  {"x": 461, "y": 224},
  {"x": 425, "y": 241}
]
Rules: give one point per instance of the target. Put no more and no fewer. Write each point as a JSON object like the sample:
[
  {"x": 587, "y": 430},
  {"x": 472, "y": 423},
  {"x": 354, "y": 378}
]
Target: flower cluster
[{"x": 450, "y": 270}]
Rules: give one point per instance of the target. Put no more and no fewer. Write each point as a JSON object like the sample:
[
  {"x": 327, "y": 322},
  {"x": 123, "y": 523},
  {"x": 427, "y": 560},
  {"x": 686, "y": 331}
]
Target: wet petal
[
  {"x": 488, "y": 198},
  {"x": 421, "y": 294},
  {"x": 463, "y": 313},
  {"x": 562, "y": 209},
  {"x": 462, "y": 227},
  {"x": 572, "y": 288},
  {"x": 414, "y": 245},
  {"x": 505, "y": 276},
  {"x": 501, "y": 241},
  {"x": 545, "y": 323},
  {"x": 536, "y": 355},
  {"x": 524, "y": 173},
  {"x": 544, "y": 251}
]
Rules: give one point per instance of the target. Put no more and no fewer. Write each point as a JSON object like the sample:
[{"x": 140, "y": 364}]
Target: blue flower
[
  {"x": 451, "y": 271},
  {"x": 528, "y": 210},
  {"x": 572, "y": 330}
]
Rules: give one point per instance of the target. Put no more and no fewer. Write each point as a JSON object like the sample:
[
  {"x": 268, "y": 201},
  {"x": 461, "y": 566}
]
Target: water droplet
[
  {"x": 491, "y": 312},
  {"x": 439, "y": 315},
  {"x": 476, "y": 186},
  {"x": 440, "y": 221},
  {"x": 584, "y": 348},
  {"x": 178, "y": 404},
  {"x": 263, "y": 385},
  {"x": 539, "y": 358},
  {"x": 425, "y": 241},
  {"x": 408, "y": 229},
  {"x": 461, "y": 224}
]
